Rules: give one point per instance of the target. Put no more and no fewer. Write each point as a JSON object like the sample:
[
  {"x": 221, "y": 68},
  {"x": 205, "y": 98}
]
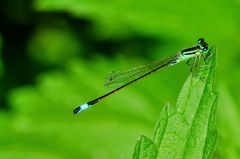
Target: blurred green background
[{"x": 54, "y": 55}]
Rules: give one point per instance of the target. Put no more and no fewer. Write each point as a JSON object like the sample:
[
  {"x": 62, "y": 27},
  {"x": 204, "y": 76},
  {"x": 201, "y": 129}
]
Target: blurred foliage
[
  {"x": 1, "y": 69},
  {"x": 1, "y": 64},
  {"x": 57, "y": 53},
  {"x": 60, "y": 45},
  {"x": 228, "y": 122}
]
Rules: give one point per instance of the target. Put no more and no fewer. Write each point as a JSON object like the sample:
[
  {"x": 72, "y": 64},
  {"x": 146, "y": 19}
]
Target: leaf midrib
[{"x": 194, "y": 119}]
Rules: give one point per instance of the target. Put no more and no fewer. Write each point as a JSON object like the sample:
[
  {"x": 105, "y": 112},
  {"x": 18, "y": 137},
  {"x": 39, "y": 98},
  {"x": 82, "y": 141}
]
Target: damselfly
[{"x": 123, "y": 79}]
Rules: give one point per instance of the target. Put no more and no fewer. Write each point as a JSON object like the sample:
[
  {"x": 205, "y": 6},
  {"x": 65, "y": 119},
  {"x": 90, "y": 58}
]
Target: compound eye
[
  {"x": 205, "y": 48},
  {"x": 200, "y": 40}
]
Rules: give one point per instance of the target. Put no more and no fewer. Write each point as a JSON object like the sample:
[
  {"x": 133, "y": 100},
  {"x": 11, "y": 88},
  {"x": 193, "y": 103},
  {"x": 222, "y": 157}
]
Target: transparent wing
[{"x": 118, "y": 78}]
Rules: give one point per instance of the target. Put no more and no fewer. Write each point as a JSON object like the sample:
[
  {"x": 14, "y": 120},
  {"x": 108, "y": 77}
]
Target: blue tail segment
[{"x": 81, "y": 108}]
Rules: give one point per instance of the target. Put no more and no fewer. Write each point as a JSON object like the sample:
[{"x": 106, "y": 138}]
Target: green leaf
[
  {"x": 228, "y": 122},
  {"x": 188, "y": 130},
  {"x": 162, "y": 123},
  {"x": 145, "y": 149}
]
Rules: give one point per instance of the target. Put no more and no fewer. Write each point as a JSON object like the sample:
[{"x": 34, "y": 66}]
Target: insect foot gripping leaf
[{"x": 186, "y": 131}]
